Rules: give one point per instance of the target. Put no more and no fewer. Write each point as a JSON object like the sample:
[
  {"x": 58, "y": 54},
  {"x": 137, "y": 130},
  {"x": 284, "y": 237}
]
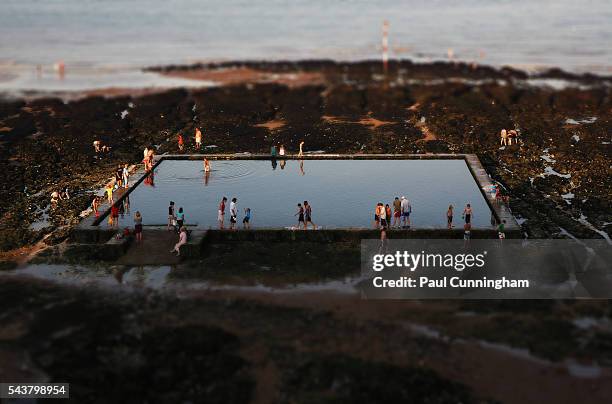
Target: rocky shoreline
[{"x": 558, "y": 179}]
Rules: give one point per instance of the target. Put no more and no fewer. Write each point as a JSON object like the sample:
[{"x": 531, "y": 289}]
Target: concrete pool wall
[{"x": 89, "y": 230}]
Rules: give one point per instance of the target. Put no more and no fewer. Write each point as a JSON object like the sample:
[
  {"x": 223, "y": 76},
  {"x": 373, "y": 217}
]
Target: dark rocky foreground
[{"x": 46, "y": 143}]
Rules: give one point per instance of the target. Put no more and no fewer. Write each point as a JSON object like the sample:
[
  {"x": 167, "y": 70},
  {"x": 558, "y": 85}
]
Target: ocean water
[
  {"x": 342, "y": 193},
  {"x": 98, "y": 37}
]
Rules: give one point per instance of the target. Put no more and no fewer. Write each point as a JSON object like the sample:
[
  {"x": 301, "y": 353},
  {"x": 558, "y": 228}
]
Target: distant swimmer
[{"x": 206, "y": 166}]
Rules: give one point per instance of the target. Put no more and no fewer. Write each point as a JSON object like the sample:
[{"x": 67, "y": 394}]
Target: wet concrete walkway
[{"x": 153, "y": 250}]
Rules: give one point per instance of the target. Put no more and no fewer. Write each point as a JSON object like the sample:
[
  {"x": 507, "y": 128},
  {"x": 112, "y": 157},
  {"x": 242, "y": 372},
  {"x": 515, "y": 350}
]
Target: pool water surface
[{"x": 342, "y": 193}]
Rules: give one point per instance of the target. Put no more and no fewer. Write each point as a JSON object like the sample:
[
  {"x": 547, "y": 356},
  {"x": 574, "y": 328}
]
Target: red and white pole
[{"x": 385, "y": 45}]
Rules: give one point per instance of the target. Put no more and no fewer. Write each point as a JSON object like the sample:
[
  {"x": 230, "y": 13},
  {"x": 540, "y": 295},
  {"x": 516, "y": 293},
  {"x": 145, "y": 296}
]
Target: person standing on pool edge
[
  {"x": 233, "y": 213},
  {"x": 300, "y": 215},
  {"x": 467, "y": 214},
  {"x": 308, "y": 216},
  {"x": 221, "y": 212},
  {"x": 247, "y": 218},
  {"x": 301, "y": 153},
  {"x": 397, "y": 212},
  {"x": 171, "y": 216},
  {"x": 180, "y": 218}
]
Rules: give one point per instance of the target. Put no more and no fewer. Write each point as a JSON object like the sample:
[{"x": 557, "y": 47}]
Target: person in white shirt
[
  {"x": 233, "y": 213},
  {"x": 406, "y": 209}
]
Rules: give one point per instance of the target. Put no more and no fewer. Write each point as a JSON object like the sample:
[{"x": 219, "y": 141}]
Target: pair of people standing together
[{"x": 304, "y": 214}]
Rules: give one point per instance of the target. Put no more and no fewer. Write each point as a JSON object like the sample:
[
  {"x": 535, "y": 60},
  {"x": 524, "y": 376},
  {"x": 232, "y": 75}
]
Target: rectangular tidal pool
[{"x": 342, "y": 193}]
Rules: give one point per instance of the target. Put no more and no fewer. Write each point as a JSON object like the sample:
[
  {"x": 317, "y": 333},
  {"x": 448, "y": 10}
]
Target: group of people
[
  {"x": 57, "y": 196},
  {"x": 122, "y": 176},
  {"x": 399, "y": 217},
  {"x": 180, "y": 140},
  {"x": 507, "y": 136},
  {"x": 100, "y": 147},
  {"x": 147, "y": 160},
  {"x": 279, "y": 151},
  {"x": 233, "y": 211}
]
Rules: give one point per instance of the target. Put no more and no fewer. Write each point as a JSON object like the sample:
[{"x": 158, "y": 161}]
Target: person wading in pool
[
  {"x": 467, "y": 214},
  {"x": 233, "y": 213},
  {"x": 308, "y": 216},
  {"x": 300, "y": 215},
  {"x": 221, "y": 212}
]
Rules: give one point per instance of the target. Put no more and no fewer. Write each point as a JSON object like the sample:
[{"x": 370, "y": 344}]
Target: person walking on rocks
[
  {"x": 233, "y": 213},
  {"x": 512, "y": 136},
  {"x": 181, "y": 142},
  {"x": 308, "y": 216},
  {"x": 504, "y": 137},
  {"x": 221, "y": 212},
  {"x": 198, "y": 139},
  {"x": 138, "y": 226},
  {"x": 301, "y": 153}
]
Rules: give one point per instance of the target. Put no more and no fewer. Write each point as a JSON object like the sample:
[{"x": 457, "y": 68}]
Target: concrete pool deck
[{"x": 89, "y": 231}]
